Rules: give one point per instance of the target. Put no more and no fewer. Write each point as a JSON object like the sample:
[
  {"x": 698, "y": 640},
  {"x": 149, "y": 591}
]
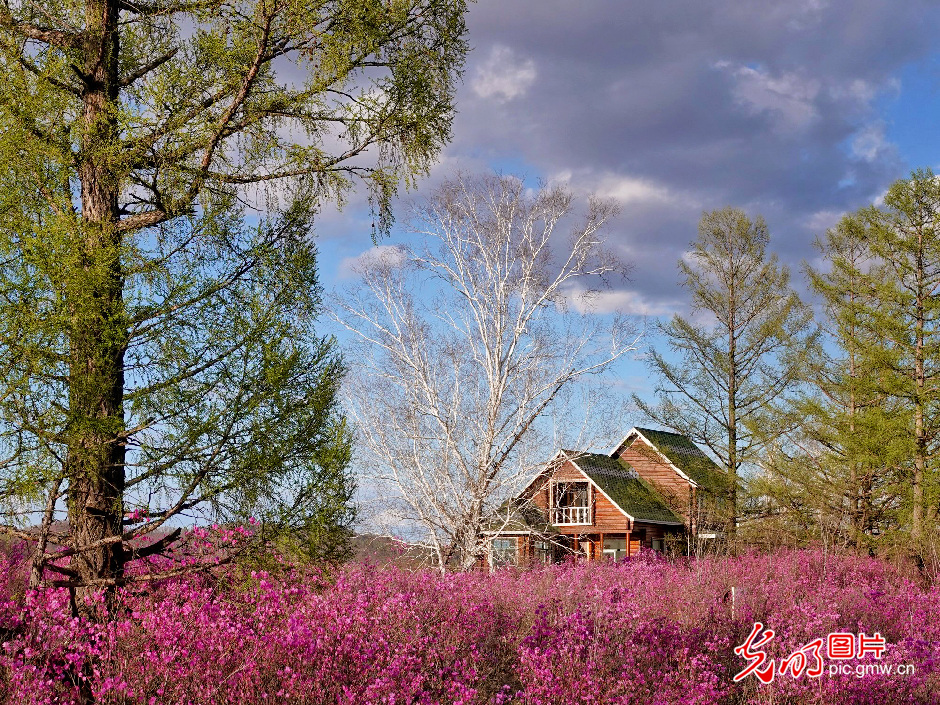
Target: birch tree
[{"x": 469, "y": 343}]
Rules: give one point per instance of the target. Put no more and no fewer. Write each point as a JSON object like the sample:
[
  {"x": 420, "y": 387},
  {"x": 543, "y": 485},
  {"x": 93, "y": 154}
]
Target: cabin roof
[
  {"x": 684, "y": 454},
  {"x": 622, "y": 485}
]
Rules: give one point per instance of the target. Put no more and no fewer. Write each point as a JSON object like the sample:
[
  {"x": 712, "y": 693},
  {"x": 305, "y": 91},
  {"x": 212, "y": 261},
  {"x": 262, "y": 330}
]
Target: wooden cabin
[{"x": 654, "y": 489}]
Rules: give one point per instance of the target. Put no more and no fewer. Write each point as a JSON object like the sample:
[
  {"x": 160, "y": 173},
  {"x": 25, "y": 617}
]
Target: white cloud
[
  {"x": 617, "y": 301},
  {"x": 869, "y": 142},
  {"x": 805, "y": 14},
  {"x": 788, "y": 96},
  {"x": 820, "y": 221},
  {"x": 861, "y": 91},
  {"x": 625, "y": 189},
  {"x": 503, "y": 76},
  {"x": 388, "y": 255}
]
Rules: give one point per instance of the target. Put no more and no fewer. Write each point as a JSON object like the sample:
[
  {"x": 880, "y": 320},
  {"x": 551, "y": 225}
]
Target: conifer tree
[
  {"x": 831, "y": 469},
  {"x": 848, "y": 406},
  {"x": 742, "y": 348},
  {"x": 903, "y": 322},
  {"x": 163, "y": 161},
  {"x": 863, "y": 447}
]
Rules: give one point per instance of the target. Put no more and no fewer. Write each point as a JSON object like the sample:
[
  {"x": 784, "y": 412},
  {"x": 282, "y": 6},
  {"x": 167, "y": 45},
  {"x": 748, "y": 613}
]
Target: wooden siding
[
  {"x": 607, "y": 517},
  {"x": 676, "y": 490},
  {"x": 646, "y": 533},
  {"x": 590, "y": 543}
]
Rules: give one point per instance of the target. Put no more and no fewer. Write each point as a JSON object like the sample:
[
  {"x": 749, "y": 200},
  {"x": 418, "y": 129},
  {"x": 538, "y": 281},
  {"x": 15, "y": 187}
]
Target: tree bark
[
  {"x": 98, "y": 331},
  {"x": 920, "y": 435},
  {"x": 732, "y": 523}
]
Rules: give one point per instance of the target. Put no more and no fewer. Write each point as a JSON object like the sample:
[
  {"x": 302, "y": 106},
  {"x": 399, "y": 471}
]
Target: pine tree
[
  {"x": 742, "y": 349},
  {"x": 903, "y": 322},
  {"x": 163, "y": 162}
]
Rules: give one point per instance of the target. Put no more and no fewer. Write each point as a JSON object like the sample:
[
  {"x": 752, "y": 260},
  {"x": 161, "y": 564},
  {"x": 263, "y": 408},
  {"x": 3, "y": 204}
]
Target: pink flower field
[{"x": 648, "y": 630}]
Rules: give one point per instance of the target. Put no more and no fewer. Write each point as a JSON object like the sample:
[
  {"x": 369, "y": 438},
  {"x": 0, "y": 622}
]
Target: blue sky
[
  {"x": 910, "y": 114},
  {"x": 799, "y": 111}
]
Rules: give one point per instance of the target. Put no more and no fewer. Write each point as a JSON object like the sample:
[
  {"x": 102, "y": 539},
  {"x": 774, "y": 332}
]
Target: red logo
[
  {"x": 841, "y": 646},
  {"x": 807, "y": 660},
  {"x": 756, "y": 658}
]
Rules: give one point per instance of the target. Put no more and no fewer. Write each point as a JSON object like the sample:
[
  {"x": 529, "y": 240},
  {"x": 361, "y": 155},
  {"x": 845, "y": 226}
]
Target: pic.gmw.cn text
[{"x": 841, "y": 648}]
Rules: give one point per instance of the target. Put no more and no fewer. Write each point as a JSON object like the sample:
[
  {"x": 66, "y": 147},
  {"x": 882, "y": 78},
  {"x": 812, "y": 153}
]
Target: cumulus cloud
[
  {"x": 869, "y": 142},
  {"x": 788, "y": 96},
  {"x": 820, "y": 221},
  {"x": 624, "y": 301},
  {"x": 623, "y": 188},
  {"x": 627, "y": 189},
  {"x": 676, "y": 108},
  {"x": 861, "y": 91},
  {"x": 504, "y": 75}
]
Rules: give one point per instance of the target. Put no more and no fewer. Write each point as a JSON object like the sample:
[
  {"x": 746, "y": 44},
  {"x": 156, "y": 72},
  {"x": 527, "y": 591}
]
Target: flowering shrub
[{"x": 644, "y": 631}]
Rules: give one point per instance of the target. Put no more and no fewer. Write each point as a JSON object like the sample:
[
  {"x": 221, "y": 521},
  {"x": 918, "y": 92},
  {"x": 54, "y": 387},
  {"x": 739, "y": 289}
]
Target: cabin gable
[
  {"x": 677, "y": 452},
  {"x": 604, "y": 514},
  {"x": 677, "y": 491}
]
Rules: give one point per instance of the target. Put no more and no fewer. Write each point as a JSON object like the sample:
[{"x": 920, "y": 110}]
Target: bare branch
[{"x": 457, "y": 398}]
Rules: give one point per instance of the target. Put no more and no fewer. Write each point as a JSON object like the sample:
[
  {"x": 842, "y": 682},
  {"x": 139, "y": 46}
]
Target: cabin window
[
  {"x": 571, "y": 503},
  {"x": 542, "y": 551},
  {"x": 615, "y": 548},
  {"x": 658, "y": 545},
  {"x": 503, "y": 552}
]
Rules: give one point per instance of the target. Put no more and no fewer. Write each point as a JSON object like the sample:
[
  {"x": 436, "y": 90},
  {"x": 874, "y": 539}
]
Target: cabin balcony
[{"x": 571, "y": 516}]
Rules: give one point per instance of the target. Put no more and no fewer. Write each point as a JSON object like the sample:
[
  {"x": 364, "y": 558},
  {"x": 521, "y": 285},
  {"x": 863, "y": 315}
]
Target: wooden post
[
  {"x": 601, "y": 547},
  {"x": 551, "y": 501}
]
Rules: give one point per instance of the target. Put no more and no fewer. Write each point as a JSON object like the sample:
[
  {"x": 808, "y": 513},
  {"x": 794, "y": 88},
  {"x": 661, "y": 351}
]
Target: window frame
[{"x": 504, "y": 555}]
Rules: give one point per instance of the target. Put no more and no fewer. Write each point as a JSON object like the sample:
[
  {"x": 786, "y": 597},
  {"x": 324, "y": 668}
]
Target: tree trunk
[
  {"x": 98, "y": 329},
  {"x": 732, "y": 521},
  {"x": 920, "y": 436},
  {"x": 858, "y": 507},
  {"x": 469, "y": 545}
]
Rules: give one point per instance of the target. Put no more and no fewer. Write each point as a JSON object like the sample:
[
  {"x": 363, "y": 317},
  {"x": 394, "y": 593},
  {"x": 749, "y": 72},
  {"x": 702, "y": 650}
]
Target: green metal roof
[
  {"x": 686, "y": 456},
  {"x": 623, "y": 485}
]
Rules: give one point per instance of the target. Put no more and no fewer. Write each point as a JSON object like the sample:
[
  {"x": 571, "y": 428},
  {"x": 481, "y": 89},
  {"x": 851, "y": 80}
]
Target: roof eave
[
  {"x": 624, "y": 511},
  {"x": 664, "y": 523}
]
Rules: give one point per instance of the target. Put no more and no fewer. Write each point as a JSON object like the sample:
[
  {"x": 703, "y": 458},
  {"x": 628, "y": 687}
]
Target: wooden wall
[
  {"x": 607, "y": 517},
  {"x": 642, "y": 535},
  {"x": 646, "y": 461}
]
